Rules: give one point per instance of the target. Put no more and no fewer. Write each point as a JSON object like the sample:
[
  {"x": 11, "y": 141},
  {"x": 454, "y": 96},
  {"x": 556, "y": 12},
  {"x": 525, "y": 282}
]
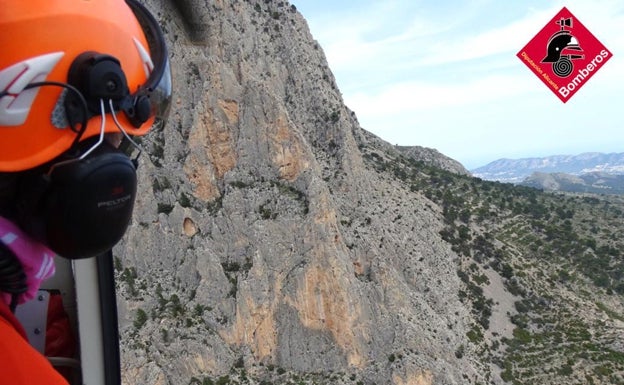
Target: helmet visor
[{"x": 157, "y": 88}]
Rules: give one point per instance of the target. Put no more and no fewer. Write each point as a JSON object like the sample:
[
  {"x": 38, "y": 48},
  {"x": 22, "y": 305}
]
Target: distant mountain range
[{"x": 517, "y": 170}]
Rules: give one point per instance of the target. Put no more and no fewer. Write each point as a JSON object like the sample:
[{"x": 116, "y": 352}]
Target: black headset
[
  {"x": 80, "y": 204},
  {"x": 82, "y": 208}
]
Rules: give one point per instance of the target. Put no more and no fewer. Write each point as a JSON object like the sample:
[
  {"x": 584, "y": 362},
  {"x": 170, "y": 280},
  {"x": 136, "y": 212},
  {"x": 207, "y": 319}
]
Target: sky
[{"x": 445, "y": 75}]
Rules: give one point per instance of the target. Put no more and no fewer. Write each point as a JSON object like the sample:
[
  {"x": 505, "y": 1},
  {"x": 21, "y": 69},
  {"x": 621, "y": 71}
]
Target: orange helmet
[{"x": 70, "y": 70}]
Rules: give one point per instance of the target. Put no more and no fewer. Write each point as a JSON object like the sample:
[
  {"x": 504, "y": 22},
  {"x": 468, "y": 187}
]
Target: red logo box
[{"x": 564, "y": 55}]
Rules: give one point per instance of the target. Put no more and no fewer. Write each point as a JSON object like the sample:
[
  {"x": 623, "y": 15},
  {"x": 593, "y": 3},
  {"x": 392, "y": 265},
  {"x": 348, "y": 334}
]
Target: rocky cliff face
[{"x": 262, "y": 245}]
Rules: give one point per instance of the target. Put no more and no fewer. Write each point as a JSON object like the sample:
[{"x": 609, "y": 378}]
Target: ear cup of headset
[{"x": 86, "y": 206}]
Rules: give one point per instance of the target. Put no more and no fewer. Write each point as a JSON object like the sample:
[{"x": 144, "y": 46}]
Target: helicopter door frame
[{"x": 97, "y": 320}]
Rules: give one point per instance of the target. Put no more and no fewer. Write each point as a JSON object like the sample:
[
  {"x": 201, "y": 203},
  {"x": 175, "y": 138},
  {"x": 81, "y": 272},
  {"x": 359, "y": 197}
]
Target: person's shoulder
[{"x": 20, "y": 363}]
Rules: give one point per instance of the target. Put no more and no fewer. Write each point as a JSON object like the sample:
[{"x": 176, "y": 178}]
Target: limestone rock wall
[{"x": 261, "y": 240}]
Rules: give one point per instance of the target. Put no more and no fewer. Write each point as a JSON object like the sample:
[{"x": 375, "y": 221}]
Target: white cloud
[
  {"x": 420, "y": 95},
  {"x": 449, "y": 79},
  {"x": 350, "y": 44}
]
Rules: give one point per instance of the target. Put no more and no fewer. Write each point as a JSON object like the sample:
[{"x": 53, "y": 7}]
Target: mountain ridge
[{"x": 516, "y": 170}]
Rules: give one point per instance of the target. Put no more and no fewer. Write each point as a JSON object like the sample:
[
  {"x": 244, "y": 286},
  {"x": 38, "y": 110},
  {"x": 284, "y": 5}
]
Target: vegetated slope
[
  {"x": 559, "y": 255},
  {"x": 276, "y": 241}
]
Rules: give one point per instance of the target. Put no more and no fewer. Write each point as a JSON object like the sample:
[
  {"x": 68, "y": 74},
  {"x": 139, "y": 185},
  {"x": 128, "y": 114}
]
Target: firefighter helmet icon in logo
[
  {"x": 560, "y": 49},
  {"x": 564, "y": 55}
]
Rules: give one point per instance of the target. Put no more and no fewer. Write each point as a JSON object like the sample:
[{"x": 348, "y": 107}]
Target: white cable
[
  {"x": 90, "y": 150},
  {"x": 125, "y": 134},
  {"x": 102, "y": 126}
]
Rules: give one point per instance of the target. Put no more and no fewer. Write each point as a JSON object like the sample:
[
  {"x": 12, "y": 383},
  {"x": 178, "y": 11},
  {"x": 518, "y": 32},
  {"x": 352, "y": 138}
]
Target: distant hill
[
  {"x": 594, "y": 182},
  {"x": 433, "y": 157},
  {"x": 516, "y": 170}
]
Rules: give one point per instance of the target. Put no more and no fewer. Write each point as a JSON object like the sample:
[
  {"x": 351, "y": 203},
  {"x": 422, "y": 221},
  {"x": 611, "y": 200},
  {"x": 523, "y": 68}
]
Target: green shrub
[{"x": 140, "y": 319}]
